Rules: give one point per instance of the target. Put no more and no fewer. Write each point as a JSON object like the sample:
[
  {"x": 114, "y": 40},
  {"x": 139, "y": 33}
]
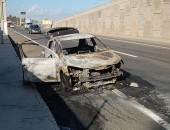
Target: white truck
[{"x": 27, "y": 24}]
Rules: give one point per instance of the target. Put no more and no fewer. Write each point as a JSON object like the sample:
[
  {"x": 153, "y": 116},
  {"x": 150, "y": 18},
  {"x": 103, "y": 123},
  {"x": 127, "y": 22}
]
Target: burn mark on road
[{"x": 145, "y": 94}]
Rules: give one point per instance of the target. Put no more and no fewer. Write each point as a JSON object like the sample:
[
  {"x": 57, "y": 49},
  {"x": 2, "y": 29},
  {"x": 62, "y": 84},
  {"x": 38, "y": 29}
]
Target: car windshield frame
[
  {"x": 63, "y": 48},
  {"x": 35, "y": 26}
]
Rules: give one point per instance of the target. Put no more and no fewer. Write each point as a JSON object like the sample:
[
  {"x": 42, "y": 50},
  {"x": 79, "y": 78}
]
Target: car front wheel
[{"x": 66, "y": 82}]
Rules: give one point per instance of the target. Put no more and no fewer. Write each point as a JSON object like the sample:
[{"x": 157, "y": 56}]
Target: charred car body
[{"x": 85, "y": 61}]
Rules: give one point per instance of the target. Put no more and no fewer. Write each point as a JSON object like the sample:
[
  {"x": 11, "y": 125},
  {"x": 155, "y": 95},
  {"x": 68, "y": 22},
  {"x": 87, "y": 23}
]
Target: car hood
[{"x": 92, "y": 60}]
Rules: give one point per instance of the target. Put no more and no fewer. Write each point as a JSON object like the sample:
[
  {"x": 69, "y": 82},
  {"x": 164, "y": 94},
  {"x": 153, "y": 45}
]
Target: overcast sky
[{"x": 53, "y": 9}]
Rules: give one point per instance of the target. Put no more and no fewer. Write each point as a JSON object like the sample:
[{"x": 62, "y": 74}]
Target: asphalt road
[
  {"x": 151, "y": 63},
  {"x": 142, "y": 64},
  {"x": 147, "y": 60}
]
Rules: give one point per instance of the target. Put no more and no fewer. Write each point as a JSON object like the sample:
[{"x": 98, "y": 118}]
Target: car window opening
[{"x": 80, "y": 46}]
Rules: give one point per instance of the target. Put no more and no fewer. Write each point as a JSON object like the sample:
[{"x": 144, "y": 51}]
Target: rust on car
[{"x": 89, "y": 66}]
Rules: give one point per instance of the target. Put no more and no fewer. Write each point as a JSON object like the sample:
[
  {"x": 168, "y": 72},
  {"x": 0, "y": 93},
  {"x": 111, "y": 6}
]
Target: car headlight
[
  {"x": 74, "y": 71},
  {"x": 119, "y": 65}
]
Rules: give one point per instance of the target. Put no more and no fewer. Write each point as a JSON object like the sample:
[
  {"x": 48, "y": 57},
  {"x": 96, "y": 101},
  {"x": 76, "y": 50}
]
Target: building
[{"x": 47, "y": 22}]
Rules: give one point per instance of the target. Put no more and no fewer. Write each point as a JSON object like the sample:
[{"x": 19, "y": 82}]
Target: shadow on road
[{"x": 62, "y": 113}]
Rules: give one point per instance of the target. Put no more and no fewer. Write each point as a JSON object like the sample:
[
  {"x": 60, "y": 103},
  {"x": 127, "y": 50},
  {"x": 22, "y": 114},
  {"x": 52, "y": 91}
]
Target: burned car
[{"x": 85, "y": 61}]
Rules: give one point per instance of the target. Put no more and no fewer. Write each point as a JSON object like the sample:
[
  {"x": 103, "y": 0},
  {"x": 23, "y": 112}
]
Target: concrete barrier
[{"x": 136, "y": 18}]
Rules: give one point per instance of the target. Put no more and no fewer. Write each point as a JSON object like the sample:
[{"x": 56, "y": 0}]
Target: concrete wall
[{"x": 137, "y": 18}]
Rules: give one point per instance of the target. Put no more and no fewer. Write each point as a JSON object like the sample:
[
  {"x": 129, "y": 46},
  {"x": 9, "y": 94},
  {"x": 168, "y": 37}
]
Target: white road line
[
  {"x": 125, "y": 54},
  {"x": 150, "y": 114},
  {"x": 136, "y": 43},
  {"x": 25, "y": 36},
  {"x": 143, "y": 109}
]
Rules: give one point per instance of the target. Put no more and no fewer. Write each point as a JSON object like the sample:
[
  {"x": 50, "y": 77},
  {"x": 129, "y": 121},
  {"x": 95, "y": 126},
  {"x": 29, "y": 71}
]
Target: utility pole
[{"x": 3, "y": 17}]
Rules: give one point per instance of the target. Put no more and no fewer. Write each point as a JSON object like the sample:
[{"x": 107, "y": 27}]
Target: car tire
[
  {"x": 66, "y": 82},
  {"x": 121, "y": 77}
]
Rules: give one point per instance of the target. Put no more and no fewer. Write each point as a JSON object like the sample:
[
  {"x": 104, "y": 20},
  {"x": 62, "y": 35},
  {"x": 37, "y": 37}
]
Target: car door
[{"x": 39, "y": 63}]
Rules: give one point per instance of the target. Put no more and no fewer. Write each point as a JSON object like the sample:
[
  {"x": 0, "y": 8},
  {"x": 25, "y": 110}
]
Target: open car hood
[{"x": 92, "y": 60}]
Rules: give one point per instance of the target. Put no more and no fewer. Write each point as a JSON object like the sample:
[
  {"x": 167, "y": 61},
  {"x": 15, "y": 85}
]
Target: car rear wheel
[{"x": 66, "y": 82}]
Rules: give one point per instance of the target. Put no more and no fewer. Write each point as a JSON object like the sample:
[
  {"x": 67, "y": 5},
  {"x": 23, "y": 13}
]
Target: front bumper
[
  {"x": 35, "y": 31},
  {"x": 101, "y": 77}
]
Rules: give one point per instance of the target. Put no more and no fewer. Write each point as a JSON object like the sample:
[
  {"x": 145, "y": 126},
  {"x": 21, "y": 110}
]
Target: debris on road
[
  {"x": 135, "y": 85},
  {"x": 76, "y": 89}
]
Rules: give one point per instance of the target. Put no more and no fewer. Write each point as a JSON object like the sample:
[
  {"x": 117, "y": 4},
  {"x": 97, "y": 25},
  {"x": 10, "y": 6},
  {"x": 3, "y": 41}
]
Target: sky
[{"x": 52, "y": 9}]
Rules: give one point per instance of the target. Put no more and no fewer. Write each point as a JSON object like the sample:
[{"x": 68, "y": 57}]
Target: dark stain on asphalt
[{"x": 145, "y": 94}]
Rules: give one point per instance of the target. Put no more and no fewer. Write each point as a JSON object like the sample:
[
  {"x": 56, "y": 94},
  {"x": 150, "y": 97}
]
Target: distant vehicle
[
  {"x": 12, "y": 25},
  {"x": 9, "y": 23},
  {"x": 27, "y": 25},
  {"x": 58, "y": 31},
  {"x": 34, "y": 29}
]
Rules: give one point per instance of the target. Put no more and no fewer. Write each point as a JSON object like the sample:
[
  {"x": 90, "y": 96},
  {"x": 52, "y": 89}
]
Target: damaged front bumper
[
  {"x": 95, "y": 77},
  {"x": 101, "y": 77},
  {"x": 94, "y": 81}
]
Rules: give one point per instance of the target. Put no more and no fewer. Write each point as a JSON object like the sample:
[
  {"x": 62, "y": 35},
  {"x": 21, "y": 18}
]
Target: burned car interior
[{"x": 80, "y": 46}]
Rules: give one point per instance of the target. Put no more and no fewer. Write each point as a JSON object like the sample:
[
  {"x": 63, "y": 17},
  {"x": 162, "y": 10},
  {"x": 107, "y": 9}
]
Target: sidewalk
[{"x": 21, "y": 107}]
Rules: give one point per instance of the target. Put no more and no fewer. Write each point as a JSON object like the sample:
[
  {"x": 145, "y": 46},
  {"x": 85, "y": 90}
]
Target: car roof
[{"x": 74, "y": 36}]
